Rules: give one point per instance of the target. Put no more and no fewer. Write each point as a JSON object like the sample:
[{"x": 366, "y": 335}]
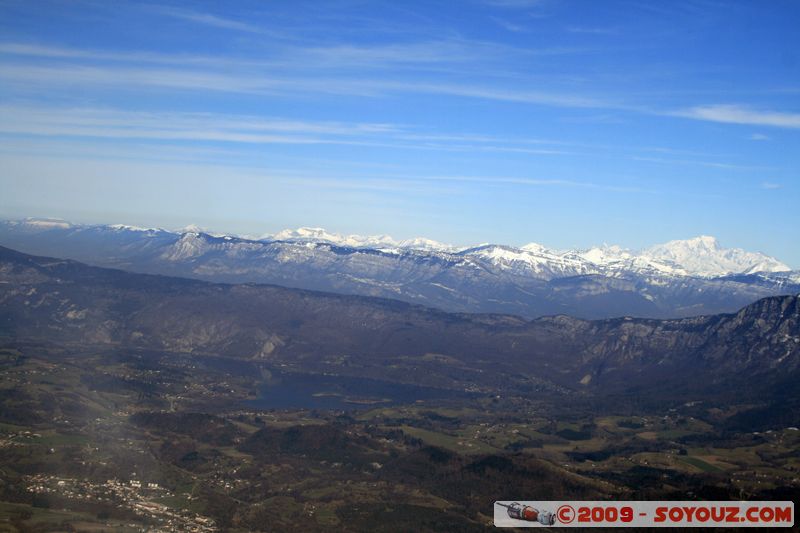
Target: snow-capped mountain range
[
  {"x": 678, "y": 278},
  {"x": 701, "y": 256}
]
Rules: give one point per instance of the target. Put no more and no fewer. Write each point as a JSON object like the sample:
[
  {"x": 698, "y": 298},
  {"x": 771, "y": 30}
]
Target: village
[{"x": 139, "y": 496}]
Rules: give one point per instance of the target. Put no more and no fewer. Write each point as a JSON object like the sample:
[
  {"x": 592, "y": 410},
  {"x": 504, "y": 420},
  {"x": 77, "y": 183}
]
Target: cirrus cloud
[{"x": 737, "y": 114}]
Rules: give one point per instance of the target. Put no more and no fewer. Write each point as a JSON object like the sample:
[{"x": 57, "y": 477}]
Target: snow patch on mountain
[{"x": 190, "y": 245}]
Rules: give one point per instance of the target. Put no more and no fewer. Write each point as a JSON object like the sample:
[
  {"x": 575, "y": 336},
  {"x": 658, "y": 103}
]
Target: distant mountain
[
  {"x": 703, "y": 256},
  {"x": 61, "y": 301},
  {"x": 319, "y": 235},
  {"x": 676, "y": 279}
]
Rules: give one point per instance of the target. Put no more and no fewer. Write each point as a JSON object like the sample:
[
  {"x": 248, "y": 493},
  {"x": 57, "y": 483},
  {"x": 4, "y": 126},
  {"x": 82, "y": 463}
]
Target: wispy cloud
[
  {"x": 205, "y": 128},
  {"x": 736, "y": 114},
  {"x": 451, "y": 56},
  {"x": 197, "y": 79},
  {"x": 541, "y": 97},
  {"x": 537, "y": 182},
  {"x": 593, "y": 30},
  {"x": 137, "y": 70},
  {"x": 516, "y": 4},
  {"x": 758, "y": 137},
  {"x": 711, "y": 164},
  {"x": 175, "y": 126},
  {"x": 81, "y": 75},
  {"x": 108, "y": 55},
  {"x": 770, "y": 185},
  {"x": 508, "y": 25},
  {"x": 206, "y": 19}
]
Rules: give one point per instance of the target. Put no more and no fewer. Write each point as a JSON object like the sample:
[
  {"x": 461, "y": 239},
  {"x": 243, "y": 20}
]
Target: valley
[
  {"x": 131, "y": 402},
  {"x": 135, "y": 440}
]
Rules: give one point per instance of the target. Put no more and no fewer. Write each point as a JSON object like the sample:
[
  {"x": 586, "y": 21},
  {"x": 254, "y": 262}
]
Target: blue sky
[{"x": 568, "y": 123}]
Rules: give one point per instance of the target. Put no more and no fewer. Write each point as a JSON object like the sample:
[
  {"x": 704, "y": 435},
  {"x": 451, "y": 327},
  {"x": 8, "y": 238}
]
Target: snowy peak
[
  {"x": 703, "y": 256},
  {"x": 307, "y": 234},
  {"x": 532, "y": 259},
  {"x": 680, "y": 249},
  {"x": 192, "y": 228},
  {"x": 606, "y": 255},
  {"x": 703, "y": 242},
  {"x": 357, "y": 241},
  {"x": 135, "y": 229},
  {"x": 534, "y": 247},
  {"x": 421, "y": 243},
  {"x": 190, "y": 245},
  {"x": 322, "y": 235}
]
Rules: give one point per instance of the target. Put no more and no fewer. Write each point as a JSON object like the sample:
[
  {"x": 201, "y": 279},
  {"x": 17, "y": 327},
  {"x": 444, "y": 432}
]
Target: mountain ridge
[
  {"x": 67, "y": 301},
  {"x": 671, "y": 252},
  {"x": 529, "y": 281}
]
